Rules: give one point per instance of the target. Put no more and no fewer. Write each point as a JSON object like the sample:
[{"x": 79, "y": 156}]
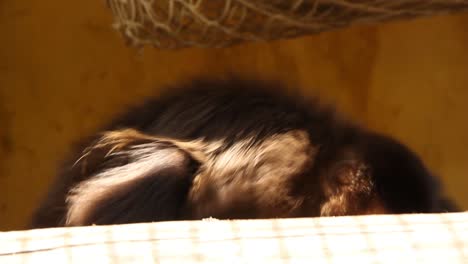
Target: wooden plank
[{"x": 418, "y": 238}]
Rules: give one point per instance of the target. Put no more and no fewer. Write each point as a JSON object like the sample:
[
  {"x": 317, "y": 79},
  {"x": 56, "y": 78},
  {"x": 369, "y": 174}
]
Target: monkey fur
[{"x": 235, "y": 149}]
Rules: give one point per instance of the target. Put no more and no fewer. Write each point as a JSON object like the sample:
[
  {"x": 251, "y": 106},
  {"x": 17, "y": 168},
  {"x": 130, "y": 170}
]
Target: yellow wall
[{"x": 63, "y": 71}]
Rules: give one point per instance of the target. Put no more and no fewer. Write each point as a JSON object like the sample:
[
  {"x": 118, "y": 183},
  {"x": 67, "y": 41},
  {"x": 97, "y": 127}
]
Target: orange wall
[{"x": 63, "y": 71}]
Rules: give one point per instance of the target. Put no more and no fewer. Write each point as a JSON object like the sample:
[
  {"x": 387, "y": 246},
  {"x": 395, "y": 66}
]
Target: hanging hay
[{"x": 219, "y": 23}]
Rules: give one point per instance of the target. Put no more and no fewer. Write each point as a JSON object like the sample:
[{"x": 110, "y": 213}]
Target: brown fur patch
[
  {"x": 248, "y": 178},
  {"x": 348, "y": 189}
]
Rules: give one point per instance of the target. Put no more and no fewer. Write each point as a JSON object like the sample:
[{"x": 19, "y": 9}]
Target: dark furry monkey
[{"x": 235, "y": 149}]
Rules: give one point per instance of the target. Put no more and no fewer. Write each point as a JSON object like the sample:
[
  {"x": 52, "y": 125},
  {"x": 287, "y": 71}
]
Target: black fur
[{"x": 241, "y": 149}]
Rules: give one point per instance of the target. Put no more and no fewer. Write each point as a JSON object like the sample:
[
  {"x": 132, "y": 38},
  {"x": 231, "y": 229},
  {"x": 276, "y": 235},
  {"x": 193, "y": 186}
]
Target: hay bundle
[{"x": 218, "y": 23}]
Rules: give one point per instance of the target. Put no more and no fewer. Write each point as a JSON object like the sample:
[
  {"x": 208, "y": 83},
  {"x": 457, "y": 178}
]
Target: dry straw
[{"x": 217, "y": 23}]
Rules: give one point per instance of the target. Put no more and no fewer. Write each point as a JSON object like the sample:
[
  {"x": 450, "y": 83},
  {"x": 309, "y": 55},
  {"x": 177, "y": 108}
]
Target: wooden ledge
[{"x": 418, "y": 238}]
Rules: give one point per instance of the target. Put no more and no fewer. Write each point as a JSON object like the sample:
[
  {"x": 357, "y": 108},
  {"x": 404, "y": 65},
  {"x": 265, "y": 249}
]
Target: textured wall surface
[{"x": 64, "y": 71}]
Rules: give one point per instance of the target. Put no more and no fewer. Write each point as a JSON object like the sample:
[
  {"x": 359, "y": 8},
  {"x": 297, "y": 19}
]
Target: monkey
[{"x": 235, "y": 148}]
